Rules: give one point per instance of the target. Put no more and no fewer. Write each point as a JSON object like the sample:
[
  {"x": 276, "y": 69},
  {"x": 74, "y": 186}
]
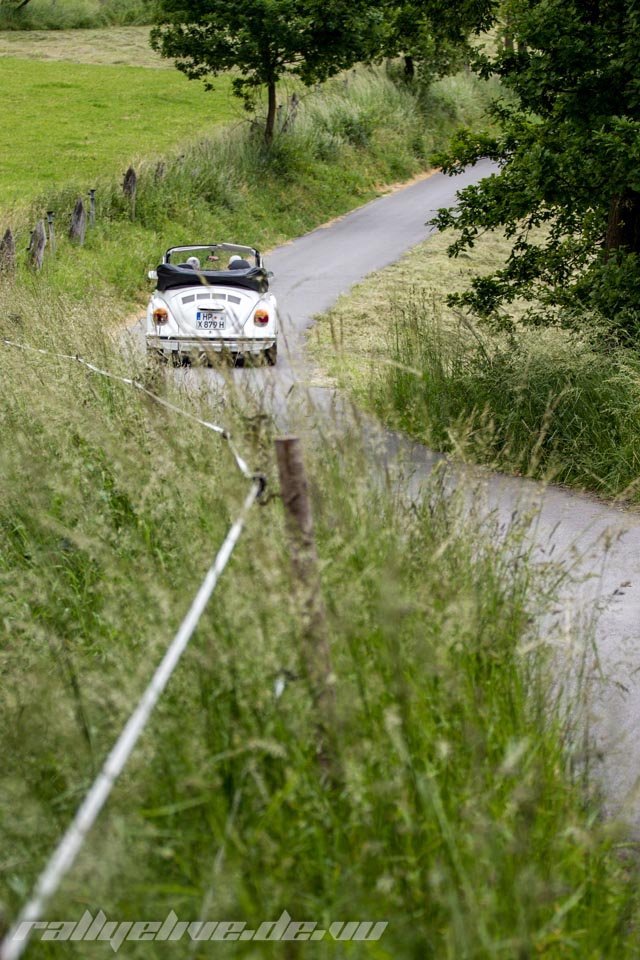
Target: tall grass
[
  {"x": 542, "y": 403},
  {"x": 454, "y": 815},
  {"x": 74, "y": 14},
  {"x": 547, "y": 403}
]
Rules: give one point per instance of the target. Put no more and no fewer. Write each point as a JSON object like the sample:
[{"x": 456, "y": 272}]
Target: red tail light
[
  {"x": 261, "y": 318},
  {"x": 160, "y": 316}
]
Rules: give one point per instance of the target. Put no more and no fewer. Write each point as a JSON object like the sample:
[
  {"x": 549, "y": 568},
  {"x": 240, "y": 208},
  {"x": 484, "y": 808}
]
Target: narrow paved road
[{"x": 600, "y": 544}]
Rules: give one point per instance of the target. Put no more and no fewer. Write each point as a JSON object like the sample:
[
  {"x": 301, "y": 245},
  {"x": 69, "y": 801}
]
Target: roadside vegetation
[
  {"x": 460, "y": 808},
  {"x": 544, "y": 402},
  {"x": 347, "y": 140},
  {"x": 539, "y": 373},
  {"x": 460, "y": 812}
]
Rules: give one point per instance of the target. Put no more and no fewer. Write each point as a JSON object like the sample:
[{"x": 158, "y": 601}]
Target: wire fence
[
  {"x": 216, "y": 428},
  {"x": 64, "y": 855}
]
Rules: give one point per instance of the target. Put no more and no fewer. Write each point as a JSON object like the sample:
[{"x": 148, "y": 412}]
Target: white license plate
[{"x": 210, "y": 320}]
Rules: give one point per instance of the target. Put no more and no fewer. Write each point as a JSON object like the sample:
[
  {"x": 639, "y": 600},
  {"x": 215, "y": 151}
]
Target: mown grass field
[
  {"x": 69, "y": 123},
  {"x": 123, "y": 46}
]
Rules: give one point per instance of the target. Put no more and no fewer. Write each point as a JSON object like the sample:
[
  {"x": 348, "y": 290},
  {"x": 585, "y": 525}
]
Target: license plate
[{"x": 210, "y": 320}]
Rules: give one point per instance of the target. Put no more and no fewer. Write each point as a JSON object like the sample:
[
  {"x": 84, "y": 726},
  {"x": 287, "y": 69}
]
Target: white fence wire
[
  {"x": 241, "y": 463},
  {"x": 63, "y": 857}
]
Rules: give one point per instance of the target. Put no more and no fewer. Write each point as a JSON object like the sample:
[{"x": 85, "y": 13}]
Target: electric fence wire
[{"x": 64, "y": 856}]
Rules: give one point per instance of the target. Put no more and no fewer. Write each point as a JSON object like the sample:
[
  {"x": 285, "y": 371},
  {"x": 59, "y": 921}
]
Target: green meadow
[{"x": 68, "y": 123}]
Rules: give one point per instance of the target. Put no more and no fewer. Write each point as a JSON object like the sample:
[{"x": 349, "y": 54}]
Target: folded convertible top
[{"x": 172, "y": 277}]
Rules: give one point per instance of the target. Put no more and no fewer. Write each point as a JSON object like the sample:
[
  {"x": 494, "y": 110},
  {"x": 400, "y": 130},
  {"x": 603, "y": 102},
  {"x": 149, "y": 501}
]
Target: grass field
[{"x": 66, "y": 123}]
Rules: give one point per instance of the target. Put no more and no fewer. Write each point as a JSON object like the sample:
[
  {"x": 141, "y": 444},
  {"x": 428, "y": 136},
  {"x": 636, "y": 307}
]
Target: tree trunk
[
  {"x": 409, "y": 67},
  {"x": 623, "y": 227},
  {"x": 271, "y": 113}
]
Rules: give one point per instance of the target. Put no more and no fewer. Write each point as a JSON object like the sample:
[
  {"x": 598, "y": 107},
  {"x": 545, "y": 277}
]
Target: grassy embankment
[
  {"x": 455, "y": 816},
  {"x": 545, "y": 402}
]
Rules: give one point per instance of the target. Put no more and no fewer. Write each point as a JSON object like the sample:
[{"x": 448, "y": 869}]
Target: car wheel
[{"x": 271, "y": 355}]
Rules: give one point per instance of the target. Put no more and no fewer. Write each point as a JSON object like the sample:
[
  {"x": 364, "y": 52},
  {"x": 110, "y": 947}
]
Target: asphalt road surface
[{"x": 598, "y": 543}]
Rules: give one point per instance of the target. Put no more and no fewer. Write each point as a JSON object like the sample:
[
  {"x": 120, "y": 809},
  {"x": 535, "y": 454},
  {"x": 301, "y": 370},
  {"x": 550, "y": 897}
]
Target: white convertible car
[{"x": 212, "y": 299}]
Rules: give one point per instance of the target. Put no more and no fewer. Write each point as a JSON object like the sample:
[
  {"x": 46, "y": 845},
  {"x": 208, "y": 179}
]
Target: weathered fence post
[
  {"x": 78, "y": 223},
  {"x": 292, "y": 112},
  {"x": 37, "y": 243},
  {"x": 52, "y": 232},
  {"x": 7, "y": 253},
  {"x": 129, "y": 188},
  {"x": 315, "y": 651},
  {"x": 92, "y": 207}
]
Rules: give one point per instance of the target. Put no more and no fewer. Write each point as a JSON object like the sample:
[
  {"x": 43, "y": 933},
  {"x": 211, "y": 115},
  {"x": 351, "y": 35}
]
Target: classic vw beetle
[{"x": 210, "y": 299}]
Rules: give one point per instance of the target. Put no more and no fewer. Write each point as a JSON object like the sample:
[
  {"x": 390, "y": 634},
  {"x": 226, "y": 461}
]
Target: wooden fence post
[
  {"x": 52, "y": 232},
  {"x": 292, "y": 112},
  {"x": 37, "y": 243},
  {"x": 78, "y": 223},
  {"x": 7, "y": 253},
  {"x": 129, "y": 188},
  {"x": 315, "y": 648},
  {"x": 92, "y": 207}
]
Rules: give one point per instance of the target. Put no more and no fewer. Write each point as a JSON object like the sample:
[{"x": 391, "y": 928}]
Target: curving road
[{"x": 598, "y": 543}]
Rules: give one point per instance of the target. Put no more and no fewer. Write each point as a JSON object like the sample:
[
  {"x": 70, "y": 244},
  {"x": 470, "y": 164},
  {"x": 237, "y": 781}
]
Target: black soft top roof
[{"x": 172, "y": 277}]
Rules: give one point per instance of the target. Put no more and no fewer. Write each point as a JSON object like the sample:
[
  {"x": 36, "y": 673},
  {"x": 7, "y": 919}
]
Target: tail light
[
  {"x": 160, "y": 316},
  {"x": 261, "y": 318}
]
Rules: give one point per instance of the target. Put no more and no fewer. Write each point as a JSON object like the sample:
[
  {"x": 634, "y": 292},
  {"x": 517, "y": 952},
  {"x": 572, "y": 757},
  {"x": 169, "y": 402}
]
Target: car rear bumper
[{"x": 241, "y": 345}]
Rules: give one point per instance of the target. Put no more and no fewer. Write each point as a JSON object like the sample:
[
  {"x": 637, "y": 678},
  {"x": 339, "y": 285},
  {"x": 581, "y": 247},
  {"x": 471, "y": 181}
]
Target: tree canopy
[
  {"x": 569, "y": 151},
  {"x": 434, "y": 35},
  {"x": 312, "y": 39},
  {"x": 266, "y": 39}
]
